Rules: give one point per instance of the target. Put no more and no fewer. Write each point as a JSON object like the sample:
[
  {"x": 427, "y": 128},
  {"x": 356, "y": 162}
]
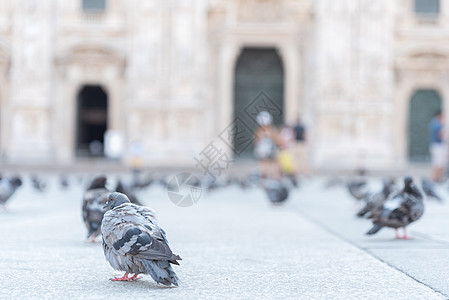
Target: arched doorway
[
  {"x": 92, "y": 121},
  {"x": 258, "y": 85},
  {"x": 423, "y": 106}
]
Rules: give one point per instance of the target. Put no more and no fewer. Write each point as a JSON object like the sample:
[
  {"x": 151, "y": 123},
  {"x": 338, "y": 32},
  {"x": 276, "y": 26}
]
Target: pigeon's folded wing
[
  {"x": 152, "y": 223},
  {"x": 94, "y": 199},
  {"x": 137, "y": 241}
]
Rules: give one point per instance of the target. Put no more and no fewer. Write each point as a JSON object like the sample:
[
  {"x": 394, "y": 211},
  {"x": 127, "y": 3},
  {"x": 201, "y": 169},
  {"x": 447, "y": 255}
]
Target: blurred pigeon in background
[
  {"x": 211, "y": 184},
  {"x": 357, "y": 189},
  {"x": 134, "y": 243},
  {"x": 63, "y": 181},
  {"x": 429, "y": 189},
  {"x": 8, "y": 186},
  {"x": 400, "y": 210},
  {"x": 121, "y": 188},
  {"x": 38, "y": 183},
  {"x": 254, "y": 177},
  {"x": 374, "y": 202},
  {"x": 93, "y": 208},
  {"x": 357, "y": 186},
  {"x": 143, "y": 183},
  {"x": 162, "y": 180},
  {"x": 276, "y": 190}
]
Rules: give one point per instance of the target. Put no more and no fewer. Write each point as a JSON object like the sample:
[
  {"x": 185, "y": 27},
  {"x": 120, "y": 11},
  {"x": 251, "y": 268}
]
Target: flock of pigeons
[
  {"x": 134, "y": 243},
  {"x": 392, "y": 207}
]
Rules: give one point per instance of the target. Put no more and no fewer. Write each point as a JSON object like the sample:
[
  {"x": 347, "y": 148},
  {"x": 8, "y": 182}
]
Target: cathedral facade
[{"x": 164, "y": 79}]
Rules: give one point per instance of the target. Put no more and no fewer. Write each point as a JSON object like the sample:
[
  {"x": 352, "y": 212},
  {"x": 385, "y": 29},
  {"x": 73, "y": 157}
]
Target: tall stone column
[
  {"x": 354, "y": 83},
  {"x": 30, "y": 95}
]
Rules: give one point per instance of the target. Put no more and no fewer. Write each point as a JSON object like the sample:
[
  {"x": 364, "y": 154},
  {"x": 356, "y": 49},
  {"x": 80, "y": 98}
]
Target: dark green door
[
  {"x": 423, "y": 106},
  {"x": 258, "y": 86}
]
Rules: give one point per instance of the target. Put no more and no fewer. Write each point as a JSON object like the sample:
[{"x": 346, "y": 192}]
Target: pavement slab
[{"x": 425, "y": 258}]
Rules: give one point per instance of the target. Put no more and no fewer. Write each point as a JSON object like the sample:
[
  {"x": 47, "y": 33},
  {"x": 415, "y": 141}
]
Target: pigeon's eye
[{"x": 111, "y": 199}]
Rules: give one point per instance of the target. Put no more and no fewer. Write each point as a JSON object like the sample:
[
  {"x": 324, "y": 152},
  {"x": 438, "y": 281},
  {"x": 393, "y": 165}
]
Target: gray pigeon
[
  {"x": 121, "y": 188},
  {"x": 93, "y": 208},
  {"x": 64, "y": 181},
  {"x": 428, "y": 188},
  {"x": 357, "y": 186},
  {"x": 8, "y": 186},
  {"x": 134, "y": 243},
  {"x": 276, "y": 190},
  {"x": 38, "y": 183},
  {"x": 400, "y": 210},
  {"x": 357, "y": 189},
  {"x": 374, "y": 202}
]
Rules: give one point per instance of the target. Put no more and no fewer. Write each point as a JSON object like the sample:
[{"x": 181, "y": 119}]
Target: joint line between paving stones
[
  {"x": 343, "y": 238},
  {"x": 428, "y": 237}
]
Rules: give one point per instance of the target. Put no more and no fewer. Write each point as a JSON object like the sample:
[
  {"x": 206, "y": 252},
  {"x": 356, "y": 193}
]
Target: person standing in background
[
  {"x": 266, "y": 144},
  {"x": 301, "y": 158},
  {"x": 437, "y": 148},
  {"x": 136, "y": 150},
  {"x": 285, "y": 156}
]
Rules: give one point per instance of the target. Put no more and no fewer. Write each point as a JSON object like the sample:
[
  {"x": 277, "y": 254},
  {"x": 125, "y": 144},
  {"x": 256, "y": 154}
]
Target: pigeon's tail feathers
[
  {"x": 375, "y": 229},
  {"x": 175, "y": 259},
  {"x": 161, "y": 271},
  {"x": 363, "y": 211}
]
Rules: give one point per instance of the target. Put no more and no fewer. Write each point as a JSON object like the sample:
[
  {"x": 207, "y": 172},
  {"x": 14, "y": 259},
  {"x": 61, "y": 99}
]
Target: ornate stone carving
[{"x": 260, "y": 10}]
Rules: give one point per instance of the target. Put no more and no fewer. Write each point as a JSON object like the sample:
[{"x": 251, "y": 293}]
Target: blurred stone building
[{"x": 170, "y": 76}]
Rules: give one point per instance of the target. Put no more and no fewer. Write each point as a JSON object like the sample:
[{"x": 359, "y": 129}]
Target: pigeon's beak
[{"x": 105, "y": 206}]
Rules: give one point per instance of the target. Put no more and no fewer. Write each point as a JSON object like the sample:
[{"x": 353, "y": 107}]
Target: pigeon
[
  {"x": 374, "y": 202},
  {"x": 163, "y": 181},
  {"x": 8, "y": 186},
  {"x": 121, "y": 188},
  {"x": 93, "y": 208},
  {"x": 80, "y": 179},
  {"x": 243, "y": 183},
  {"x": 211, "y": 184},
  {"x": 400, "y": 210},
  {"x": 428, "y": 188},
  {"x": 277, "y": 191},
  {"x": 144, "y": 183},
  {"x": 254, "y": 177},
  {"x": 38, "y": 184},
  {"x": 134, "y": 243},
  {"x": 64, "y": 181},
  {"x": 357, "y": 188}
]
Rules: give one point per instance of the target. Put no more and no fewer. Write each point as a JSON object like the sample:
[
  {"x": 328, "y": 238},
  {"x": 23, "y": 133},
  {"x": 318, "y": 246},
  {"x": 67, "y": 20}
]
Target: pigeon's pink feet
[
  {"x": 404, "y": 237},
  {"x": 396, "y": 234},
  {"x": 135, "y": 277},
  {"x": 92, "y": 238},
  {"x": 124, "y": 278}
]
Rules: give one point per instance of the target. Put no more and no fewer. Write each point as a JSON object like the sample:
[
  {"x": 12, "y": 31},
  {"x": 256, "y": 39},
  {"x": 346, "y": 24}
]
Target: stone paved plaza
[{"x": 234, "y": 244}]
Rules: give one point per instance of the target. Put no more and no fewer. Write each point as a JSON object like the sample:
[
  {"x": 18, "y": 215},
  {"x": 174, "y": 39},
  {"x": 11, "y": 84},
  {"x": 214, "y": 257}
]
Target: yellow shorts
[{"x": 285, "y": 159}]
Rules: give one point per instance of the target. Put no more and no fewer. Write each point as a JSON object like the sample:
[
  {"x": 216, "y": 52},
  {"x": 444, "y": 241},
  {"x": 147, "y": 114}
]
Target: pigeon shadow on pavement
[{"x": 142, "y": 284}]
